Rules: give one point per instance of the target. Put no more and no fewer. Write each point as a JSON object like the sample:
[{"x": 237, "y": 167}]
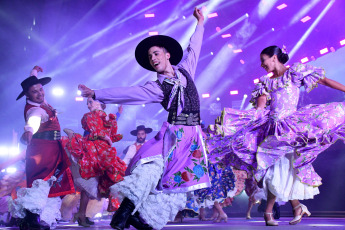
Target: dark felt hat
[
  {"x": 30, "y": 81},
  {"x": 170, "y": 44},
  {"x": 141, "y": 127}
]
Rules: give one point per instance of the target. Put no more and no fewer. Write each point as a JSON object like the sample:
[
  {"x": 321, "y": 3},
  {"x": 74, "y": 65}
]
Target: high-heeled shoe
[
  {"x": 271, "y": 221},
  {"x": 298, "y": 218},
  {"x": 248, "y": 217},
  {"x": 90, "y": 222},
  {"x": 221, "y": 217},
  {"x": 81, "y": 221}
]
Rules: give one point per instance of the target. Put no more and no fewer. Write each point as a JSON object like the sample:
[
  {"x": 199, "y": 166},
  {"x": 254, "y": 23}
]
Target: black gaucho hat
[
  {"x": 170, "y": 44},
  {"x": 141, "y": 127},
  {"x": 30, "y": 81}
]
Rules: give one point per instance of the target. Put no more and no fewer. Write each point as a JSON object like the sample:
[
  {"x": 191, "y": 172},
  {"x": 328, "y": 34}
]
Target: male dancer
[
  {"x": 46, "y": 160},
  {"x": 140, "y": 133},
  {"x": 174, "y": 162}
]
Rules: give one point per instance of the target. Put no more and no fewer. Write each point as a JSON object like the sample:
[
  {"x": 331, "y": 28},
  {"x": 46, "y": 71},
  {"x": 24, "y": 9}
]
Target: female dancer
[
  {"x": 95, "y": 156},
  {"x": 280, "y": 143}
]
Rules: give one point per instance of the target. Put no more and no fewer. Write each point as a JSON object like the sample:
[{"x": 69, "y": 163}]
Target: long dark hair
[{"x": 275, "y": 50}]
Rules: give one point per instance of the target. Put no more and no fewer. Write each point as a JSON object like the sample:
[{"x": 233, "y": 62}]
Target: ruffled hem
[
  {"x": 282, "y": 181},
  {"x": 35, "y": 200},
  {"x": 139, "y": 187}
]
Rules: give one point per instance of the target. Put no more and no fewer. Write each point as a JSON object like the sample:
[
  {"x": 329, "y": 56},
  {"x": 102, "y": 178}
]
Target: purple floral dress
[{"x": 256, "y": 139}]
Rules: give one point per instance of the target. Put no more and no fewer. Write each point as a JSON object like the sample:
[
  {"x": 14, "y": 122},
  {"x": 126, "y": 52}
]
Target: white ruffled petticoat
[
  {"x": 281, "y": 180},
  {"x": 155, "y": 208},
  {"x": 90, "y": 186},
  {"x": 35, "y": 200}
]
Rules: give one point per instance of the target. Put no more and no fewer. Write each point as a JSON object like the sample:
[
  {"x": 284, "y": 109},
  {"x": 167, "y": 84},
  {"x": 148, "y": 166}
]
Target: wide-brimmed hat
[
  {"x": 30, "y": 81},
  {"x": 170, "y": 44},
  {"x": 141, "y": 127}
]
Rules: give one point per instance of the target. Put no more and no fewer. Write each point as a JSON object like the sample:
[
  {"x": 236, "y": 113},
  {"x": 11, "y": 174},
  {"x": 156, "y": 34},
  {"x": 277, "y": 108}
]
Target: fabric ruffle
[
  {"x": 298, "y": 74},
  {"x": 155, "y": 208},
  {"x": 35, "y": 200},
  {"x": 281, "y": 180}
]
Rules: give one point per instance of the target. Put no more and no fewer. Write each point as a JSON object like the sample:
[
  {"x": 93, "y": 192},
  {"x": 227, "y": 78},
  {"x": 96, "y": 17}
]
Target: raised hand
[
  {"x": 38, "y": 68},
  {"x": 85, "y": 91},
  {"x": 199, "y": 16}
]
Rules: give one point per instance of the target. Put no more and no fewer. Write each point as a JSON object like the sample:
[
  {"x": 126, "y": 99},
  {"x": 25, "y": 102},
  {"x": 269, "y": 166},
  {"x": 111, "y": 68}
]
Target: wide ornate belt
[
  {"x": 48, "y": 135},
  {"x": 189, "y": 119}
]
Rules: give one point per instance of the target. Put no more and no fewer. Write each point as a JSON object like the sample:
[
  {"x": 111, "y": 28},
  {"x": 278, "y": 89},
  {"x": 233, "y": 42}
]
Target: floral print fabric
[
  {"x": 95, "y": 156},
  {"x": 256, "y": 139}
]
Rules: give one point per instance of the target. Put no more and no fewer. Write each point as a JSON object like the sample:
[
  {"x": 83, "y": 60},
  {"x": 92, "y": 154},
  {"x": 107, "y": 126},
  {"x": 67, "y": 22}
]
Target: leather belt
[
  {"x": 48, "y": 135},
  {"x": 190, "y": 119}
]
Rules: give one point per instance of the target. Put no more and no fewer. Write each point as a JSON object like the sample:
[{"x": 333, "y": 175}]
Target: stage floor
[{"x": 233, "y": 223}]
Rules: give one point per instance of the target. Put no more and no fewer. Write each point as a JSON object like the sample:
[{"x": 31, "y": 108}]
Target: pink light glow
[
  {"x": 205, "y": 95},
  {"x": 218, "y": 29},
  {"x": 306, "y": 18},
  {"x": 226, "y": 35},
  {"x": 153, "y": 33},
  {"x": 256, "y": 81},
  {"x": 342, "y": 42},
  {"x": 288, "y": 66},
  {"x": 270, "y": 74},
  {"x": 230, "y": 46},
  {"x": 233, "y": 92},
  {"x": 212, "y": 15},
  {"x": 332, "y": 49},
  {"x": 79, "y": 99},
  {"x": 282, "y": 6},
  {"x": 149, "y": 15},
  {"x": 304, "y": 60},
  {"x": 242, "y": 62},
  {"x": 238, "y": 51}
]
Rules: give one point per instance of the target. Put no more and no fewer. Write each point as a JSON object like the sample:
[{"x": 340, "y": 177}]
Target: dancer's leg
[
  {"x": 250, "y": 206},
  {"x": 269, "y": 208},
  {"x": 222, "y": 214},
  {"x": 80, "y": 216}
]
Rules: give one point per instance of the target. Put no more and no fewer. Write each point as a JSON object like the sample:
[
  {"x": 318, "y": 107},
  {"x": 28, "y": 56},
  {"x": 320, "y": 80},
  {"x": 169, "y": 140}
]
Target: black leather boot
[
  {"x": 32, "y": 222},
  {"x": 121, "y": 216},
  {"x": 136, "y": 222}
]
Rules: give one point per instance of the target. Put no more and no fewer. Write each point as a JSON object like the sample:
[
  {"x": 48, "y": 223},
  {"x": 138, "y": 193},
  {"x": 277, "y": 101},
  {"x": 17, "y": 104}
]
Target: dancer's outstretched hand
[
  {"x": 199, "y": 16},
  {"x": 85, "y": 91},
  {"x": 38, "y": 68}
]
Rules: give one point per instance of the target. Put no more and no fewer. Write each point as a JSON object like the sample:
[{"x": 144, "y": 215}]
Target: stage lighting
[
  {"x": 238, "y": 51},
  {"x": 3, "y": 151},
  {"x": 211, "y": 53},
  {"x": 79, "y": 92},
  {"x": 233, "y": 92},
  {"x": 226, "y": 35},
  {"x": 270, "y": 74},
  {"x": 218, "y": 29},
  {"x": 143, "y": 105},
  {"x": 256, "y": 81},
  {"x": 304, "y": 60},
  {"x": 332, "y": 49},
  {"x": 272, "y": 29},
  {"x": 342, "y": 42},
  {"x": 205, "y": 95},
  {"x": 149, "y": 15},
  {"x": 153, "y": 33},
  {"x": 323, "y": 51},
  {"x": 287, "y": 66},
  {"x": 13, "y": 151},
  {"x": 230, "y": 46},
  {"x": 11, "y": 170},
  {"x": 79, "y": 99},
  {"x": 98, "y": 215},
  {"x": 58, "y": 92},
  {"x": 212, "y": 15},
  {"x": 242, "y": 62},
  {"x": 184, "y": 17},
  {"x": 282, "y": 6},
  {"x": 218, "y": 99},
  {"x": 305, "y": 19},
  {"x": 245, "y": 96}
]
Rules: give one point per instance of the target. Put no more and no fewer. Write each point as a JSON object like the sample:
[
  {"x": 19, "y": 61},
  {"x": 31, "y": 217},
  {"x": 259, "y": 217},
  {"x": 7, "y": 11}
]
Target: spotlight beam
[{"x": 311, "y": 28}]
